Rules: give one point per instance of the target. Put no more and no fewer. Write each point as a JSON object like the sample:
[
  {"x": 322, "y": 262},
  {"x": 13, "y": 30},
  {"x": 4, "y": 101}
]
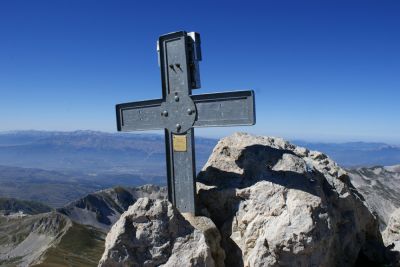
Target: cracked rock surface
[
  {"x": 277, "y": 204},
  {"x": 153, "y": 233}
]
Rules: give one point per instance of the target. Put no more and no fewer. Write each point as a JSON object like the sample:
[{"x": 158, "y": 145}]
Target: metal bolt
[
  {"x": 164, "y": 113},
  {"x": 177, "y": 98},
  {"x": 178, "y": 126},
  {"x": 189, "y": 111}
]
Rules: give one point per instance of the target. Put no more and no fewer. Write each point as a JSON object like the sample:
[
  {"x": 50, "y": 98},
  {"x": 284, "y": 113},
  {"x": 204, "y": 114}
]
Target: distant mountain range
[
  {"x": 58, "y": 167},
  {"x": 95, "y": 153},
  {"x": 91, "y": 153},
  {"x": 357, "y": 154}
]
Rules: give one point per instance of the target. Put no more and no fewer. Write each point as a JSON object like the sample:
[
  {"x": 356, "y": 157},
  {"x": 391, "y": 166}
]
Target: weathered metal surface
[
  {"x": 136, "y": 116},
  {"x": 225, "y": 109},
  {"x": 179, "y": 111},
  {"x": 184, "y": 175},
  {"x": 175, "y": 73}
]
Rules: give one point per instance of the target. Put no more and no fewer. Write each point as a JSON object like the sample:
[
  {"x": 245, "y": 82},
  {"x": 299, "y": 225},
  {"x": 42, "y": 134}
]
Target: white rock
[
  {"x": 153, "y": 233},
  {"x": 280, "y": 205},
  {"x": 391, "y": 235}
]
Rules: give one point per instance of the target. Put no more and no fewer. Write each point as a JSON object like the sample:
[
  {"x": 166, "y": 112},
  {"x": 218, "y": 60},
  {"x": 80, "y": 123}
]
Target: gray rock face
[
  {"x": 272, "y": 203},
  {"x": 381, "y": 188},
  {"x": 281, "y": 205},
  {"x": 153, "y": 233}
]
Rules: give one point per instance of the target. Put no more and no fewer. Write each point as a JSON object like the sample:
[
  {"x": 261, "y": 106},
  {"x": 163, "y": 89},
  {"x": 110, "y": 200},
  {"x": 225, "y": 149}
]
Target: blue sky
[{"x": 321, "y": 70}]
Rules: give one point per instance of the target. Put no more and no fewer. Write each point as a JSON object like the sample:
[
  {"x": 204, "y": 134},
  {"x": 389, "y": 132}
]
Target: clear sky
[{"x": 321, "y": 70}]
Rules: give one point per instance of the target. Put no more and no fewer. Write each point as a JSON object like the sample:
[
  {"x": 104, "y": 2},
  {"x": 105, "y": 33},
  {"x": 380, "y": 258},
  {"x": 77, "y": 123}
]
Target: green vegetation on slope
[{"x": 80, "y": 246}]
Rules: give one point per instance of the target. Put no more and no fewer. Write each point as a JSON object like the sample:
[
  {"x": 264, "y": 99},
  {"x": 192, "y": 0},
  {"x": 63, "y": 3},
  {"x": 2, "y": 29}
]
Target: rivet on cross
[{"x": 179, "y": 111}]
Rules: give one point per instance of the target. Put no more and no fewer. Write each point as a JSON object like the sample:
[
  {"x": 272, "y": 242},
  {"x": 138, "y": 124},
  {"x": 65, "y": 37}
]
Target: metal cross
[{"x": 179, "y": 111}]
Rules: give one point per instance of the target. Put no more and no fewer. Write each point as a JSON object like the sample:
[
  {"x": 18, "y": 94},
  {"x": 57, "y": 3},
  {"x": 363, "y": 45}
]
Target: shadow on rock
[{"x": 281, "y": 206}]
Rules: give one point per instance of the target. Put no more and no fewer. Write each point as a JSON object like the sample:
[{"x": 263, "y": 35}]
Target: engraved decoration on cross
[{"x": 178, "y": 112}]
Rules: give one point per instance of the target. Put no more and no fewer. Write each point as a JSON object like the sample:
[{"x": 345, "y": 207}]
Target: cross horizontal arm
[
  {"x": 136, "y": 116},
  {"x": 225, "y": 109}
]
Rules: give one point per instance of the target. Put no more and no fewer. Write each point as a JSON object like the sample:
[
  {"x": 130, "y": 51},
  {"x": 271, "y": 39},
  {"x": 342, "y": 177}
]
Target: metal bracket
[{"x": 178, "y": 112}]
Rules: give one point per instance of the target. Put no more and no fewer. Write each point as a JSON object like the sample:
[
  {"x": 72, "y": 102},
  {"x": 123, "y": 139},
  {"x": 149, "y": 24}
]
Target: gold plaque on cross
[{"x": 179, "y": 143}]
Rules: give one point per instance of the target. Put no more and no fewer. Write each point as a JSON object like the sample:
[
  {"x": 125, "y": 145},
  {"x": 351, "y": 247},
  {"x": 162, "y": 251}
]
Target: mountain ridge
[
  {"x": 102, "y": 208},
  {"x": 72, "y": 235}
]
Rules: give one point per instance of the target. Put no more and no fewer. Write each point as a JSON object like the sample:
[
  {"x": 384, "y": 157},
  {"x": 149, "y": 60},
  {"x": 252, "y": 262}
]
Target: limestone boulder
[
  {"x": 277, "y": 204},
  {"x": 153, "y": 233}
]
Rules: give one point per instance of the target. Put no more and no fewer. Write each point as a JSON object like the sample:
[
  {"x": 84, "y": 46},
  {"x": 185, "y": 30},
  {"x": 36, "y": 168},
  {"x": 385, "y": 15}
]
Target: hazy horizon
[{"x": 201, "y": 133}]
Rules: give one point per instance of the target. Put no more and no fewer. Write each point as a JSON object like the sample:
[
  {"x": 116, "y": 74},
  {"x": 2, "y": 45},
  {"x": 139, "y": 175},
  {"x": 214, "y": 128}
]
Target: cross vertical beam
[{"x": 176, "y": 82}]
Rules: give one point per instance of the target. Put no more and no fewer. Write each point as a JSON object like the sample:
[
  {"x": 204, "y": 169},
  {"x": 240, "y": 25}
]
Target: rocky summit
[{"x": 262, "y": 202}]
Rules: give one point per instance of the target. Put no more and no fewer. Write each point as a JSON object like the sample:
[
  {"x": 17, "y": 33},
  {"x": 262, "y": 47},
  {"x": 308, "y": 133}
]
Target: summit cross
[{"x": 178, "y": 111}]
